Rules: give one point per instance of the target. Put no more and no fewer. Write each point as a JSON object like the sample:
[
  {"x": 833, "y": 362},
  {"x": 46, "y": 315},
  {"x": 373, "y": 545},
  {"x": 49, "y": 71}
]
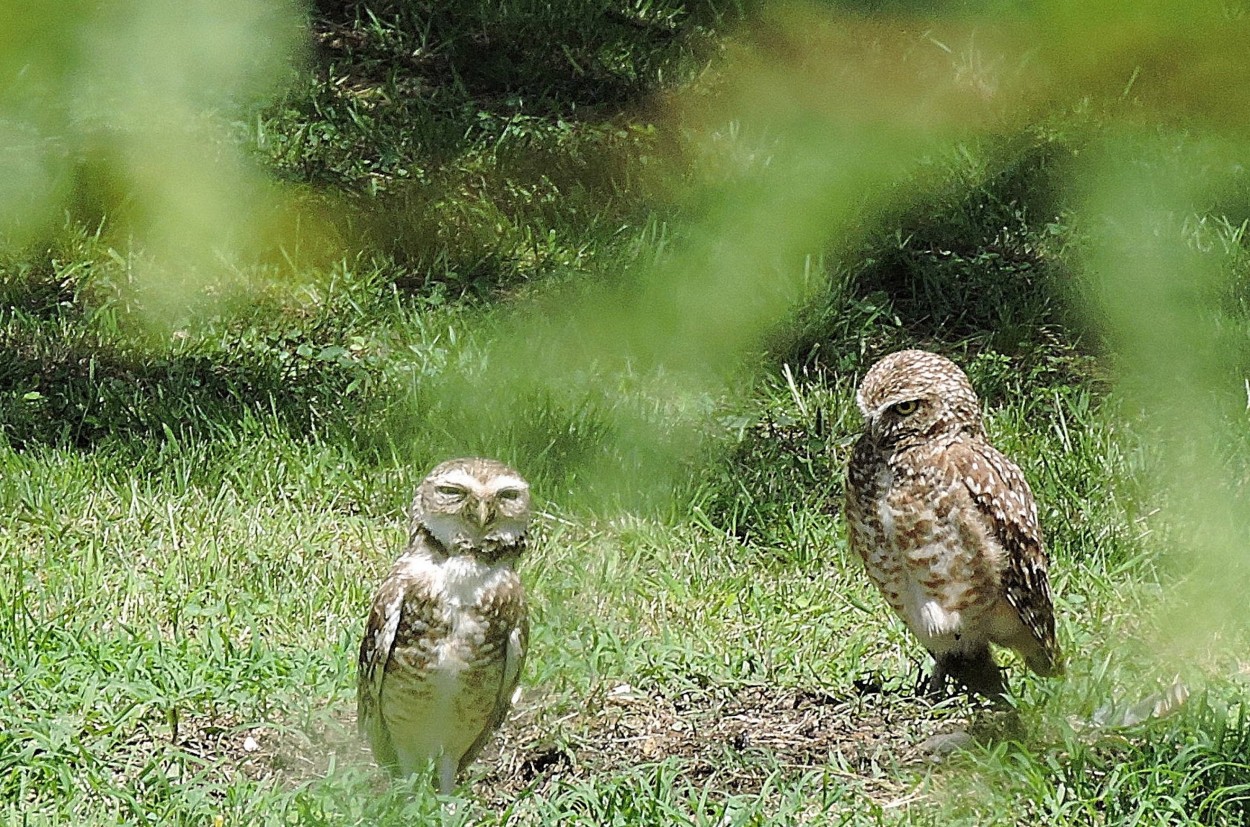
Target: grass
[{"x": 200, "y": 493}]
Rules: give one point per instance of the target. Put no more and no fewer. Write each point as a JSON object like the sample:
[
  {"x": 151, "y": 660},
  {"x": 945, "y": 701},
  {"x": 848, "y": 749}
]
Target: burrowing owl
[
  {"x": 447, "y": 633},
  {"x": 946, "y": 525}
]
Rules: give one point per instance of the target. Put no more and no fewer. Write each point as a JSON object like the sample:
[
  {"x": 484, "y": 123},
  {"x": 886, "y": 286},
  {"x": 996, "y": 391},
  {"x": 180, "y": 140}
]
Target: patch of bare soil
[
  {"x": 731, "y": 739},
  {"x": 217, "y": 747},
  {"x": 297, "y": 752}
]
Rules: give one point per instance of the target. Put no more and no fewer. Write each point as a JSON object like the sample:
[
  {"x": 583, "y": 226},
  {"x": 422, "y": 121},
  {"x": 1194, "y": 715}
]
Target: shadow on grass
[
  {"x": 562, "y": 56},
  {"x": 976, "y": 260},
  {"x": 89, "y": 396},
  {"x": 81, "y": 395}
]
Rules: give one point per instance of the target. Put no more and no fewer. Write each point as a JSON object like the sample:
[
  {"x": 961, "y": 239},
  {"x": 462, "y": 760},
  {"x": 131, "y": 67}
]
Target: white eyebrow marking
[
  {"x": 480, "y": 489},
  {"x": 507, "y": 481},
  {"x": 464, "y": 480}
]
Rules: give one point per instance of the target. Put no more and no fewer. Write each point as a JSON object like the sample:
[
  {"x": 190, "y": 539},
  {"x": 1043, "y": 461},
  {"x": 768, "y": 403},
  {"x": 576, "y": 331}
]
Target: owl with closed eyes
[
  {"x": 447, "y": 633},
  {"x": 947, "y": 525}
]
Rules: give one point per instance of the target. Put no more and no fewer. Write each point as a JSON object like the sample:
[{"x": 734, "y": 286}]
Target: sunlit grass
[{"x": 643, "y": 254}]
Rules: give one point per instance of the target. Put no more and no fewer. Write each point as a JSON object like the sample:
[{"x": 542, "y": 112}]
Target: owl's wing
[
  {"x": 375, "y": 651},
  {"x": 510, "y": 630},
  {"x": 1002, "y": 494}
]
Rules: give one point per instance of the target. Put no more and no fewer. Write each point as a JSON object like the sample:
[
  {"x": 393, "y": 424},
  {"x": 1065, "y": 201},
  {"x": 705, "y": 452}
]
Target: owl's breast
[
  {"x": 452, "y": 639},
  {"x": 438, "y": 710},
  {"x": 442, "y": 683},
  {"x": 911, "y": 527}
]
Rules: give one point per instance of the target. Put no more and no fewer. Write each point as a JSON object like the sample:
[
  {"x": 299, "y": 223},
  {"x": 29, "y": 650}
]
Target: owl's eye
[
  {"x": 450, "y": 490},
  {"x": 906, "y": 408},
  {"x": 509, "y": 494}
]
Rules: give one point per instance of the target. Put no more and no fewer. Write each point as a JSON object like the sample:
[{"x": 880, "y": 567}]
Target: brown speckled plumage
[
  {"x": 946, "y": 524},
  {"x": 447, "y": 633}
]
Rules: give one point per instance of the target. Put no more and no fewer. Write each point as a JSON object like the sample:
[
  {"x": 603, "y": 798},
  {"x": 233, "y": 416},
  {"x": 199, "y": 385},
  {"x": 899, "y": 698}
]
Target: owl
[
  {"x": 447, "y": 633},
  {"x": 946, "y": 525}
]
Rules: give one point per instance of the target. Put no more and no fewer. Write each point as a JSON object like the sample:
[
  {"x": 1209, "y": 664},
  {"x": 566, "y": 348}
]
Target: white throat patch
[{"x": 456, "y": 535}]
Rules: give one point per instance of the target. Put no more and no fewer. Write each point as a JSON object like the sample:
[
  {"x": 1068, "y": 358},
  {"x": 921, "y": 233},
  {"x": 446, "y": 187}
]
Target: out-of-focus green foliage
[
  {"x": 113, "y": 112},
  {"x": 1163, "y": 282},
  {"x": 820, "y": 120}
]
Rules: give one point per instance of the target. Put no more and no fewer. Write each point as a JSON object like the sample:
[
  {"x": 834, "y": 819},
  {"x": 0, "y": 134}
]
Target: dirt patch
[
  {"x": 735, "y": 738},
  {"x": 297, "y": 752},
  {"x": 732, "y": 739}
]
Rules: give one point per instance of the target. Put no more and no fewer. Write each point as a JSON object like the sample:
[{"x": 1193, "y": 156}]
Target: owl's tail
[{"x": 1044, "y": 663}]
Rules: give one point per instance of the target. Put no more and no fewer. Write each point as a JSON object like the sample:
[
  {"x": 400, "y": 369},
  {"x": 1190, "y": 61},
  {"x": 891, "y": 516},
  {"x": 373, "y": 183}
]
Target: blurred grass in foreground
[
  {"x": 113, "y": 113},
  {"x": 1171, "y": 291}
]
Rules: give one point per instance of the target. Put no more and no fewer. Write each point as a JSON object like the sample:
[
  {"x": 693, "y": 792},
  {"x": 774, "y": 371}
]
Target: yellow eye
[
  {"x": 906, "y": 408},
  {"x": 450, "y": 490}
]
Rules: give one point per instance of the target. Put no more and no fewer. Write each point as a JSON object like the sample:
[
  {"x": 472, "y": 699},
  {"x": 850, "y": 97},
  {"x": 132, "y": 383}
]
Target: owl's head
[
  {"x": 913, "y": 395},
  {"x": 474, "y": 504}
]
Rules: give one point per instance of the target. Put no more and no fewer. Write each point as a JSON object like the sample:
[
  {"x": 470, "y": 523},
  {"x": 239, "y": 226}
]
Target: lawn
[{"x": 262, "y": 266}]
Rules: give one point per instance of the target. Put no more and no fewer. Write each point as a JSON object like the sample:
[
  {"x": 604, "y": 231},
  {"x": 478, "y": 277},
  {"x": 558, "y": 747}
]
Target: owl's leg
[
  {"x": 446, "y": 774},
  {"x": 976, "y": 670},
  {"x": 935, "y": 687}
]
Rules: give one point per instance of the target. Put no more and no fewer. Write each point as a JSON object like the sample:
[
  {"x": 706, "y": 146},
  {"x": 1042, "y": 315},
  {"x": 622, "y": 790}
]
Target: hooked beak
[
  {"x": 871, "y": 421},
  {"x": 483, "y": 512}
]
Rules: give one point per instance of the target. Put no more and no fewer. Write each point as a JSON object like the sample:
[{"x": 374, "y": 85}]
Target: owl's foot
[{"x": 446, "y": 768}]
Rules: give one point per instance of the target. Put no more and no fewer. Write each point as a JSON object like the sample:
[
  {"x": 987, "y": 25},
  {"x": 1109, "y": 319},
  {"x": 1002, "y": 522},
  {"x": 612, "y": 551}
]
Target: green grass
[{"x": 554, "y": 233}]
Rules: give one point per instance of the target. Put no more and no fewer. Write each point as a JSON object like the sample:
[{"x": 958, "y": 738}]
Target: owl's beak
[
  {"x": 484, "y": 512},
  {"x": 871, "y": 420}
]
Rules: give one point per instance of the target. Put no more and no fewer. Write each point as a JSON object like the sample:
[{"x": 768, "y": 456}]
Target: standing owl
[
  {"x": 946, "y": 525},
  {"x": 447, "y": 633}
]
